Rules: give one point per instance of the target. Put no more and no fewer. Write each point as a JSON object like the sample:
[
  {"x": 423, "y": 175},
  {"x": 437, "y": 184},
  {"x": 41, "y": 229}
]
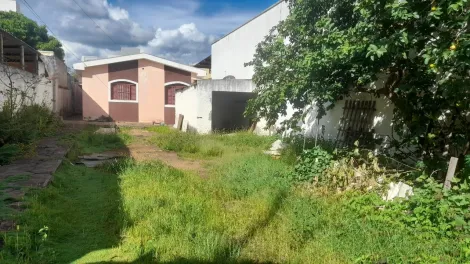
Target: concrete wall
[
  {"x": 230, "y": 53},
  {"x": 327, "y": 127},
  {"x": 196, "y": 104},
  {"x": 38, "y": 88},
  {"x": 9, "y": 5},
  {"x": 187, "y": 104}
]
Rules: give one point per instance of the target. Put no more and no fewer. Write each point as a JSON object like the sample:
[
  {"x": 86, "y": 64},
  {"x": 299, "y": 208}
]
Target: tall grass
[
  {"x": 247, "y": 211},
  {"x": 19, "y": 129},
  {"x": 208, "y": 146},
  {"x": 88, "y": 141}
]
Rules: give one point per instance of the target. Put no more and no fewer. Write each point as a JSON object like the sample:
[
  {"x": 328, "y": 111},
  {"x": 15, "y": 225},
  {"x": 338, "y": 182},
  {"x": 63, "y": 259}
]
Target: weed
[{"x": 88, "y": 141}]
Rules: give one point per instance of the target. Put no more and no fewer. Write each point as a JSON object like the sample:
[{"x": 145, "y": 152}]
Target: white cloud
[
  {"x": 116, "y": 13},
  {"x": 175, "y": 30}
]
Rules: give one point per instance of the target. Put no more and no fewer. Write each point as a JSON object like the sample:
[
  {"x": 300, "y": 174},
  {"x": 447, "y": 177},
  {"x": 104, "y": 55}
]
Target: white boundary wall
[
  {"x": 195, "y": 103},
  {"x": 43, "y": 88}
]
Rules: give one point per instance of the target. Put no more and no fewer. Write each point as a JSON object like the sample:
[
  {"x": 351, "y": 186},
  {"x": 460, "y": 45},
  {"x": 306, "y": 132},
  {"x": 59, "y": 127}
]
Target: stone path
[{"x": 35, "y": 172}]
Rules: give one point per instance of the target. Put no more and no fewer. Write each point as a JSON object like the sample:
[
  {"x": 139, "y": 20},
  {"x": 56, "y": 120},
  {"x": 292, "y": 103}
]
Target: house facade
[{"x": 133, "y": 88}]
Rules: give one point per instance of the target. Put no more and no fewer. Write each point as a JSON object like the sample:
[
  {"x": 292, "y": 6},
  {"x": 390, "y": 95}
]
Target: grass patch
[
  {"x": 88, "y": 141},
  {"x": 82, "y": 212},
  {"x": 208, "y": 146},
  {"x": 246, "y": 211}
]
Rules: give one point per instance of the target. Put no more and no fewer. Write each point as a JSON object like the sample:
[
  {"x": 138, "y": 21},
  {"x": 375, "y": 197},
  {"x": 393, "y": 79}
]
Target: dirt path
[{"x": 141, "y": 150}]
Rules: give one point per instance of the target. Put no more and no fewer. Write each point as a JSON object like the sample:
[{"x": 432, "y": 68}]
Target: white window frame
[
  {"x": 124, "y": 101},
  {"x": 171, "y": 83}
]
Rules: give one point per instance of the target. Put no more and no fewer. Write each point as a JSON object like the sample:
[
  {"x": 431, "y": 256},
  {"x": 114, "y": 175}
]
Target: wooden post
[
  {"x": 22, "y": 57},
  {"x": 180, "y": 122},
  {"x": 450, "y": 172},
  {"x": 1, "y": 48},
  {"x": 36, "y": 66}
]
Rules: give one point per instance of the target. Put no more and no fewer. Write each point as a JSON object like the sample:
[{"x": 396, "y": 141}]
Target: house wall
[
  {"x": 151, "y": 91},
  {"x": 176, "y": 75},
  {"x": 151, "y": 78},
  {"x": 95, "y": 94},
  {"x": 128, "y": 70},
  {"x": 234, "y": 50}
]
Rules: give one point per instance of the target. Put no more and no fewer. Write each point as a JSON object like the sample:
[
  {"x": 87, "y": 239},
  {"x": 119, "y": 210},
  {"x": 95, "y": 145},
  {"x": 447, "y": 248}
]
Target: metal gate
[{"x": 356, "y": 123}]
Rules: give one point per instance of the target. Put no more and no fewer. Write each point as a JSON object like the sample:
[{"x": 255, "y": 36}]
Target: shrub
[
  {"x": 312, "y": 164},
  {"x": 23, "y": 126},
  {"x": 431, "y": 213},
  {"x": 8, "y": 152}
]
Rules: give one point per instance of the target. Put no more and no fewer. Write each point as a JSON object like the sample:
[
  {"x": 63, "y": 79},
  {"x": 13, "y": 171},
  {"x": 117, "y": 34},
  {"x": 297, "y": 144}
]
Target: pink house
[{"x": 133, "y": 88}]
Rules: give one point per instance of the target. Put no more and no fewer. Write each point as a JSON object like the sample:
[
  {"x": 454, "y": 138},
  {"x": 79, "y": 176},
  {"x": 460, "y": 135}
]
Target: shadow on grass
[
  {"x": 149, "y": 258},
  {"x": 83, "y": 210}
]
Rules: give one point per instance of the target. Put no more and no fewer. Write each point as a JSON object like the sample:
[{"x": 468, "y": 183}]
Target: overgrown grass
[
  {"x": 82, "y": 212},
  {"x": 246, "y": 211},
  {"x": 20, "y": 128},
  {"x": 208, "y": 146},
  {"x": 88, "y": 141}
]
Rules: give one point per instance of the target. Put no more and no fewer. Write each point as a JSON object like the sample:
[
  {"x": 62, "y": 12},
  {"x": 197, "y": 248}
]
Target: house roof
[
  {"x": 205, "y": 63},
  {"x": 141, "y": 56},
  {"x": 12, "y": 44},
  {"x": 269, "y": 8}
]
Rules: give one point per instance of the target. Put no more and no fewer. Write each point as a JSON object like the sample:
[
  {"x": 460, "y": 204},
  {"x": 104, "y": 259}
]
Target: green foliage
[
  {"x": 254, "y": 174},
  {"x": 245, "y": 211},
  {"x": 207, "y": 146},
  {"x": 312, "y": 164},
  {"x": 431, "y": 213},
  {"x": 440, "y": 212},
  {"x": 30, "y": 32},
  {"x": 22, "y": 127},
  {"x": 88, "y": 141},
  {"x": 327, "y": 50},
  {"x": 8, "y": 152}
]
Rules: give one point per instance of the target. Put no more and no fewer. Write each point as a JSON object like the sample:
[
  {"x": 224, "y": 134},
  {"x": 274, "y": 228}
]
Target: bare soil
[{"x": 141, "y": 150}]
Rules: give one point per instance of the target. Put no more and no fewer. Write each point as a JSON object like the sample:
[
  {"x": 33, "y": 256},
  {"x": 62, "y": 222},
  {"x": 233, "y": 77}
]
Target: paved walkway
[{"x": 35, "y": 172}]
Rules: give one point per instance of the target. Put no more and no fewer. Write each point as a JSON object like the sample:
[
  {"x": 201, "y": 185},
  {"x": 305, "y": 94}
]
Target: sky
[{"x": 178, "y": 30}]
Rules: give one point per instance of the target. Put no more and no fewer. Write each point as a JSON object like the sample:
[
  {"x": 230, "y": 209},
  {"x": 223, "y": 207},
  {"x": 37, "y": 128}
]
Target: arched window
[
  {"x": 123, "y": 91},
  {"x": 170, "y": 91}
]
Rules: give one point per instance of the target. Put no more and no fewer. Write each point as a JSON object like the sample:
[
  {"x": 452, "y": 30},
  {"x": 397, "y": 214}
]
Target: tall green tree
[
  {"x": 328, "y": 49},
  {"x": 30, "y": 32}
]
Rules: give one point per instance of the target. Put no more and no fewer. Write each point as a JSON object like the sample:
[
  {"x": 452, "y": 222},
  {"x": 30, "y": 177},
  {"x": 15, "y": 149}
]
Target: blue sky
[{"x": 180, "y": 30}]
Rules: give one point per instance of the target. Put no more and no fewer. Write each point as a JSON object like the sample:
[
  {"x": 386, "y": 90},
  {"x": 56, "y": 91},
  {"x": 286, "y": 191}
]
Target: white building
[
  {"x": 230, "y": 53},
  {"x": 10, "y": 5},
  {"x": 233, "y": 51}
]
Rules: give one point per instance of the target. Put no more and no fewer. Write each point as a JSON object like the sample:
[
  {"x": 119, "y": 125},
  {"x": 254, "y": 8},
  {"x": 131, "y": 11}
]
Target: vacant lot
[{"x": 240, "y": 208}]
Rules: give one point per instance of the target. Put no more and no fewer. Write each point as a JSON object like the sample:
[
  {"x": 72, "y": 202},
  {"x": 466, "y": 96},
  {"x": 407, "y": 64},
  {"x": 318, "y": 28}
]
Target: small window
[
  {"x": 170, "y": 93},
  {"x": 123, "y": 91}
]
